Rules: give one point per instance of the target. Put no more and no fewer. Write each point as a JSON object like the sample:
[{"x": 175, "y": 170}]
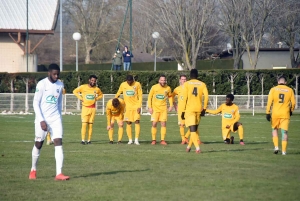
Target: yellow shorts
[
  {"x": 88, "y": 115},
  {"x": 118, "y": 118},
  {"x": 180, "y": 121},
  {"x": 132, "y": 115},
  {"x": 192, "y": 118},
  {"x": 159, "y": 116},
  {"x": 226, "y": 131},
  {"x": 280, "y": 123}
]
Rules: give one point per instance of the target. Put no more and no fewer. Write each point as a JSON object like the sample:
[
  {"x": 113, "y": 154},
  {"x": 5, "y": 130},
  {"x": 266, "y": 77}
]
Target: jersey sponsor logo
[
  {"x": 130, "y": 93},
  {"x": 282, "y": 90},
  {"x": 51, "y": 99},
  {"x": 90, "y": 97},
  {"x": 160, "y": 97},
  {"x": 227, "y": 116}
]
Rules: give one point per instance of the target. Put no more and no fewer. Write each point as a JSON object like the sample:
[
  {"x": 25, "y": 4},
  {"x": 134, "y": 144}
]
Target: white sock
[
  {"x": 59, "y": 157},
  {"x": 136, "y": 139},
  {"x": 35, "y": 157}
]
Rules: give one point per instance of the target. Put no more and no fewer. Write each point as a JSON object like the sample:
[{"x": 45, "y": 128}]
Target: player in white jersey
[{"x": 47, "y": 105}]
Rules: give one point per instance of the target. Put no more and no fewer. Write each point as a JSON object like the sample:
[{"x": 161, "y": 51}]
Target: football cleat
[
  {"x": 111, "y": 142},
  {"x": 136, "y": 143},
  {"x": 198, "y": 151},
  {"x": 163, "y": 142},
  {"x": 183, "y": 142},
  {"x": 83, "y": 142},
  {"x": 130, "y": 142},
  {"x": 188, "y": 149},
  {"x": 199, "y": 142},
  {"x": 88, "y": 142},
  {"x": 153, "y": 142},
  {"x": 231, "y": 140},
  {"x": 283, "y": 153},
  {"x": 119, "y": 142},
  {"x": 242, "y": 143},
  {"x": 61, "y": 177},
  {"x": 276, "y": 150},
  {"x": 32, "y": 174}
]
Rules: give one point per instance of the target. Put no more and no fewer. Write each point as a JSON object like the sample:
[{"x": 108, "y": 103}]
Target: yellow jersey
[
  {"x": 88, "y": 95},
  {"x": 193, "y": 93},
  {"x": 157, "y": 98},
  {"x": 132, "y": 94},
  {"x": 178, "y": 91},
  {"x": 230, "y": 114},
  {"x": 112, "y": 111},
  {"x": 282, "y": 100}
]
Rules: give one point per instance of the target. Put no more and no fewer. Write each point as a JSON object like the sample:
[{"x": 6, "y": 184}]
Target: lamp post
[
  {"x": 76, "y": 37},
  {"x": 155, "y": 35}
]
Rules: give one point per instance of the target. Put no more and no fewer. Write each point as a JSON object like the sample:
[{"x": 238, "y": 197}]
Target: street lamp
[
  {"x": 155, "y": 35},
  {"x": 76, "y": 37}
]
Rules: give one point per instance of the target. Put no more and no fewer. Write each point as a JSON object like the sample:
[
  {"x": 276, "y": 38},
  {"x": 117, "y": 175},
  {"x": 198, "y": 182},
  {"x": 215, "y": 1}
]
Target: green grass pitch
[{"x": 102, "y": 171}]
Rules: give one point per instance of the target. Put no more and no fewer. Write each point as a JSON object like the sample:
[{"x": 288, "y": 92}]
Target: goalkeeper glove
[
  {"x": 268, "y": 117},
  {"x": 203, "y": 113},
  {"x": 182, "y": 116}
]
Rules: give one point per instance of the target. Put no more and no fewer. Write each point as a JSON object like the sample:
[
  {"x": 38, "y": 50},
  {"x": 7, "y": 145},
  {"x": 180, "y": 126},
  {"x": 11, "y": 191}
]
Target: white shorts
[{"x": 55, "y": 129}]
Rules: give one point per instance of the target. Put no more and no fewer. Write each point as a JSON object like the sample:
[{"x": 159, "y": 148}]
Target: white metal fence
[{"x": 22, "y": 103}]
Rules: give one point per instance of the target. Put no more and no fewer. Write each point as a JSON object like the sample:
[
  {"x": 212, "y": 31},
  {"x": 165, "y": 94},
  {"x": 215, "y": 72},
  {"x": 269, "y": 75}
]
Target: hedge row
[
  {"x": 109, "y": 81},
  {"x": 149, "y": 66}
]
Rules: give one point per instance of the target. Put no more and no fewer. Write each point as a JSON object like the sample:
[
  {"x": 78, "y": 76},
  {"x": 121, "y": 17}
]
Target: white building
[{"x": 42, "y": 18}]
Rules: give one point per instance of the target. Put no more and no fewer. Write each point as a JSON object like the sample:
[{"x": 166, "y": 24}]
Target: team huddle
[{"x": 192, "y": 101}]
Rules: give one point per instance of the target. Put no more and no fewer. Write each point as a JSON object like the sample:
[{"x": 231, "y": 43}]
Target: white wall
[
  {"x": 268, "y": 59},
  {"x": 12, "y": 58}
]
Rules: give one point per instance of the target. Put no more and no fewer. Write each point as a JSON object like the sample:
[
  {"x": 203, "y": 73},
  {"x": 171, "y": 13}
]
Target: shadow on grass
[
  {"x": 237, "y": 150},
  {"x": 108, "y": 173}
]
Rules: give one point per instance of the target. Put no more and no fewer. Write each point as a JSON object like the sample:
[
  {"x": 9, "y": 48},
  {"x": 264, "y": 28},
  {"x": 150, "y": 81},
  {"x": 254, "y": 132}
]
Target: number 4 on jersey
[{"x": 195, "y": 91}]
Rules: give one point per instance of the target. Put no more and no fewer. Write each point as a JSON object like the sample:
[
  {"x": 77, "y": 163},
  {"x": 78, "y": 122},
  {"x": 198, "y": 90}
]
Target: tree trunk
[
  {"x": 26, "y": 80},
  {"x": 88, "y": 53}
]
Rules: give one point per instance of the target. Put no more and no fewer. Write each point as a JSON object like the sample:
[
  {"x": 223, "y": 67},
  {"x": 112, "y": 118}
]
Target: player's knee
[
  {"x": 129, "y": 123},
  {"x": 137, "y": 121},
  {"x": 39, "y": 145},
  {"x": 163, "y": 124},
  {"x": 121, "y": 125},
  {"x": 57, "y": 141},
  {"x": 154, "y": 124}
]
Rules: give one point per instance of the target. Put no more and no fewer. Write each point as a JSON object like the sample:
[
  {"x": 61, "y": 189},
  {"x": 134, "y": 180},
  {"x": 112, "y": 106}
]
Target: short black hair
[
  {"x": 231, "y": 96},
  {"x": 93, "y": 76},
  {"x": 129, "y": 77},
  {"x": 115, "y": 102},
  {"x": 53, "y": 67},
  {"x": 194, "y": 73},
  {"x": 182, "y": 76},
  {"x": 162, "y": 76}
]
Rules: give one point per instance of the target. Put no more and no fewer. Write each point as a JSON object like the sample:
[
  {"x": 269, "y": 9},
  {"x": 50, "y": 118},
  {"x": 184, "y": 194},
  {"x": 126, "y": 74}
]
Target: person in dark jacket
[
  {"x": 117, "y": 60},
  {"x": 127, "y": 58}
]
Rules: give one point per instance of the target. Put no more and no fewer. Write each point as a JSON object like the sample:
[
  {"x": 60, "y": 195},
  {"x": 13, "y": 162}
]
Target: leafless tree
[
  {"x": 230, "y": 17},
  {"x": 249, "y": 76},
  {"x": 262, "y": 79},
  {"x": 231, "y": 79},
  {"x": 296, "y": 88},
  {"x": 187, "y": 22},
  {"x": 253, "y": 24},
  {"x": 287, "y": 26},
  {"x": 92, "y": 18}
]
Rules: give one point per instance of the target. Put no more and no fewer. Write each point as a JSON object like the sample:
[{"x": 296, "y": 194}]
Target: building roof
[
  {"x": 42, "y": 16},
  {"x": 140, "y": 56}
]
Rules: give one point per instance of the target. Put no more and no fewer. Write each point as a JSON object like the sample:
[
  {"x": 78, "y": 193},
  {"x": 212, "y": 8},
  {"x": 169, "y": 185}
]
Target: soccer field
[{"x": 102, "y": 171}]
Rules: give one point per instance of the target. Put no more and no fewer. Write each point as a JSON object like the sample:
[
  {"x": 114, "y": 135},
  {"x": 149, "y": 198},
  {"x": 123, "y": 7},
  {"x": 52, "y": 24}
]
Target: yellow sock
[
  {"x": 275, "y": 141},
  {"x": 120, "y": 133},
  {"x": 110, "y": 134},
  {"x": 198, "y": 136},
  {"x": 90, "y": 132},
  {"x": 48, "y": 137},
  {"x": 181, "y": 131},
  {"x": 137, "y": 128},
  {"x": 163, "y": 132},
  {"x": 188, "y": 133},
  {"x": 284, "y": 145},
  {"x": 153, "y": 132},
  {"x": 241, "y": 132},
  {"x": 83, "y": 131},
  {"x": 194, "y": 139},
  {"x": 129, "y": 131}
]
